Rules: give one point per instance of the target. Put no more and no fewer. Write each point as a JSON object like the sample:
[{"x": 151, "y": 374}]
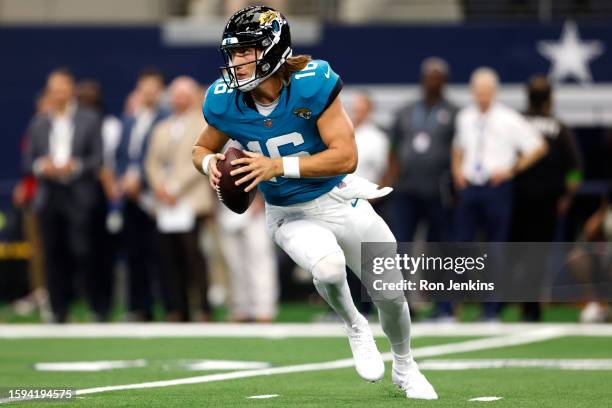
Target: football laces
[{"x": 218, "y": 190}]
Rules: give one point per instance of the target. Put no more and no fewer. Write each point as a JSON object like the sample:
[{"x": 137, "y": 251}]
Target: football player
[{"x": 301, "y": 150}]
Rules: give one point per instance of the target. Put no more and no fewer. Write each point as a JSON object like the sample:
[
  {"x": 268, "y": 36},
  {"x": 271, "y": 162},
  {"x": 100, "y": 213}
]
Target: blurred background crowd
[{"x": 103, "y": 208}]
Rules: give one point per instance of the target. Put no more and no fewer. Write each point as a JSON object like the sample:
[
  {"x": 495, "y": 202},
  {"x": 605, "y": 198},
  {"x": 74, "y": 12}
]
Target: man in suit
[
  {"x": 139, "y": 232},
  {"x": 64, "y": 153},
  {"x": 179, "y": 191}
]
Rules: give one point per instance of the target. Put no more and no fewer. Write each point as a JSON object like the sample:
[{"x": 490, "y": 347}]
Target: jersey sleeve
[{"x": 318, "y": 85}]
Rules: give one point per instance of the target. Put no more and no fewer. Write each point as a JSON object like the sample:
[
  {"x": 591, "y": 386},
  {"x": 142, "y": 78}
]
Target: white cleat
[
  {"x": 368, "y": 361},
  {"x": 414, "y": 384}
]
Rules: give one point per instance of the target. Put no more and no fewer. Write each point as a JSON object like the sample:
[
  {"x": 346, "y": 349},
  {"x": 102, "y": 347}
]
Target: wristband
[
  {"x": 574, "y": 177},
  {"x": 291, "y": 167},
  {"x": 205, "y": 162}
]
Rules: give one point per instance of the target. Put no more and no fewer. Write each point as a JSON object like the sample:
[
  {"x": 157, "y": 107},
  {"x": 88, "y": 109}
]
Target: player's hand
[
  {"x": 214, "y": 175},
  {"x": 258, "y": 168}
]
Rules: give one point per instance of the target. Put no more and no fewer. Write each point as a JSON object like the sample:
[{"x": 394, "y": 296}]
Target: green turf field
[{"x": 337, "y": 387}]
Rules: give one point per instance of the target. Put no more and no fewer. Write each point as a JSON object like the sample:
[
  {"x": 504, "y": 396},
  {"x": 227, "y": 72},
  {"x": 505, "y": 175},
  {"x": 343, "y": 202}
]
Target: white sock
[
  {"x": 402, "y": 363},
  {"x": 338, "y": 296}
]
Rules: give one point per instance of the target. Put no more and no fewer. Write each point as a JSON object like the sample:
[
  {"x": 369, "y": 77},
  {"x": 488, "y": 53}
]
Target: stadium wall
[{"x": 379, "y": 57}]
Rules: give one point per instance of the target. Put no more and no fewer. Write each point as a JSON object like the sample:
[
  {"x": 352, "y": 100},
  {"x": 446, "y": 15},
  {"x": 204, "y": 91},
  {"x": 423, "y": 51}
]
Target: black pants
[
  {"x": 491, "y": 208},
  {"x": 104, "y": 256},
  {"x": 66, "y": 228},
  {"x": 141, "y": 244},
  {"x": 409, "y": 210},
  {"x": 534, "y": 219},
  {"x": 484, "y": 206},
  {"x": 184, "y": 273}
]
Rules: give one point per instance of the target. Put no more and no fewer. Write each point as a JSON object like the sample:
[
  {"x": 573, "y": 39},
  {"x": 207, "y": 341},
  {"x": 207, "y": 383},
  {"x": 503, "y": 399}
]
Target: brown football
[{"x": 229, "y": 193}]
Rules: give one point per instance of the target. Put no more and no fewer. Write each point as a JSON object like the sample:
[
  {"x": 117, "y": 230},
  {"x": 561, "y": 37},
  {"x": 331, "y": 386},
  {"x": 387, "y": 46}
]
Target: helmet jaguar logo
[
  {"x": 303, "y": 113},
  {"x": 268, "y": 17}
]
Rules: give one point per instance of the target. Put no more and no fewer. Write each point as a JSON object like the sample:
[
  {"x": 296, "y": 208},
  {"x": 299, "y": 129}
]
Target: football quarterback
[{"x": 286, "y": 111}]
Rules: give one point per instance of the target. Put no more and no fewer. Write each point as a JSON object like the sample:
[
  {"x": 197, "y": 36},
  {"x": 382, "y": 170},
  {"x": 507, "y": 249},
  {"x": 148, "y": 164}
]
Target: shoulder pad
[
  {"x": 314, "y": 77},
  {"x": 218, "y": 98}
]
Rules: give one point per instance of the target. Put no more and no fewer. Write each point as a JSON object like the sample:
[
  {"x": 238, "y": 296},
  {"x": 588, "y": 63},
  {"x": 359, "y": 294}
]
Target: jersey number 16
[{"x": 273, "y": 146}]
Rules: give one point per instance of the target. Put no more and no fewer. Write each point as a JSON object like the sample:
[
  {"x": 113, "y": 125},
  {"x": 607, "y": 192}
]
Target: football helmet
[{"x": 264, "y": 29}]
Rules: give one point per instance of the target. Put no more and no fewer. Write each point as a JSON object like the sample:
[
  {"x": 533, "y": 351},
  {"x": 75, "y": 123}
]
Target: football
[{"x": 234, "y": 197}]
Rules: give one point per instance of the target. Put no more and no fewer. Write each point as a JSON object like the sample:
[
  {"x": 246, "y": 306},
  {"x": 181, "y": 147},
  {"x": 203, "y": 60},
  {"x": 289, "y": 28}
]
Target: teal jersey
[{"x": 290, "y": 130}]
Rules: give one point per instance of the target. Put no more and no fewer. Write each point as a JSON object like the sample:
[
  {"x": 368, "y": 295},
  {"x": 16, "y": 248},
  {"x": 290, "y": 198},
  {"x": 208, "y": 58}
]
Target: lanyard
[
  {"x": 424, "y": 119},
  {"x": 481, "y": 126}
]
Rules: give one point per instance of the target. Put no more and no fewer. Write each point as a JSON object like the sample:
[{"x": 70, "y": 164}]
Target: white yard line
[
  {"x": 559, "y": 364},
  {"x": 278, "y": 330},
  {"x": 485, "y": 399},
  {"x": 532, "y": 336},
  {"x": 265, "y": 396},
  {"x": 89, "y": 366},
  {"x": 470, "y": 345},
  {"x": 540, "y": 334},
  {"x": 507, "y": 335},
  {"x": 192, "y": 365}
]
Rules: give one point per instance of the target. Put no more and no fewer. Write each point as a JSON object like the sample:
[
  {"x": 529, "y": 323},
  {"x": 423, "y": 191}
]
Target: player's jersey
[{"x": 290, "y": 130}]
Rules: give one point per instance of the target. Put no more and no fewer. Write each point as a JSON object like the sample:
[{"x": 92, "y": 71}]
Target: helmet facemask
[{"x": 230, "y": 75}]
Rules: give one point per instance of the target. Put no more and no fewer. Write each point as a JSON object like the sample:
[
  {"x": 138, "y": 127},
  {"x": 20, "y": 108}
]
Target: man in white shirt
[
  {"x": 64, "y": 153},
  {"x": 492, "y": 144}
]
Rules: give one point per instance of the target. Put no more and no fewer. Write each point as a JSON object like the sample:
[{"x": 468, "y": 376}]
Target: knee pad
[{"x": 330, "y": 269}]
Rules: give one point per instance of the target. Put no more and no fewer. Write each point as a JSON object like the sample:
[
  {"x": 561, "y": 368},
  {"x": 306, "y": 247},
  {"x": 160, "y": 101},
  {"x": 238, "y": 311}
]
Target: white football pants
[{"x": 320, "y": 229}]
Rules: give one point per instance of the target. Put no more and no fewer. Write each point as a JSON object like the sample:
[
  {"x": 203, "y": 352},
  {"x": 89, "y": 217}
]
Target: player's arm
[
  {"x": 340, "y": 157},
  {"x": 209, "y": 144}
]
